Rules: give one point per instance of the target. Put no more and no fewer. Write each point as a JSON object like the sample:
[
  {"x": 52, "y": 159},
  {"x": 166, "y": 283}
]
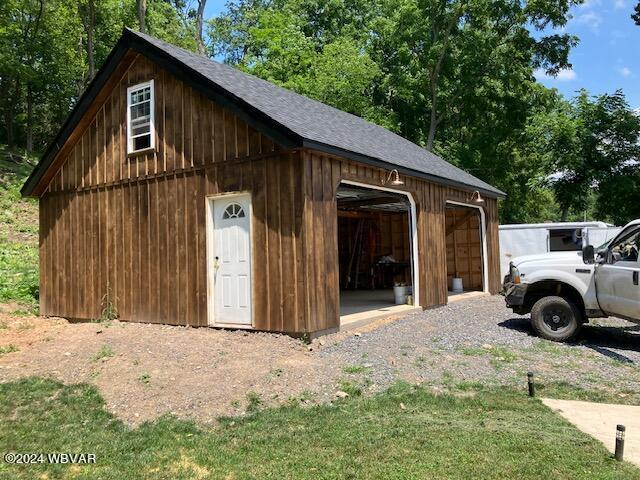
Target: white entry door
[{"x": 230, "y": 261}]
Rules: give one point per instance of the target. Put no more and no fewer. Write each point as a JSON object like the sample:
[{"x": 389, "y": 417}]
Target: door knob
[{"x": 216, "y": 263}]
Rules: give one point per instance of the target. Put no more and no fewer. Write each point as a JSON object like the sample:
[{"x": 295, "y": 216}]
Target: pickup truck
[{"x": 563, "y": 291}]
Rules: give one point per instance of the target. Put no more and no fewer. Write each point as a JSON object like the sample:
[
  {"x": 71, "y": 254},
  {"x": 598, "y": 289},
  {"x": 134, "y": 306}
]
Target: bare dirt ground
[{"x": 144, "y": 370}]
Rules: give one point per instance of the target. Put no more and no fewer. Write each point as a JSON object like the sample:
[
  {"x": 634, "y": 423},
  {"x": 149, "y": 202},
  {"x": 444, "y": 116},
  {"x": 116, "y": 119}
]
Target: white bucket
[
  {"x": 456, "y": 285},
  {"x": 400, "y": 294}
]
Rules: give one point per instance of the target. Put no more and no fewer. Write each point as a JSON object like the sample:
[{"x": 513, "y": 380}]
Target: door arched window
[{"x": 233, "y": 210}]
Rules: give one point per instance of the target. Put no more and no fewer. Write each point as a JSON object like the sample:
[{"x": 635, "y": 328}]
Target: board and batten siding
[
  {"x": 323, "y": 174},
  {"x": 132, "y": 229}
]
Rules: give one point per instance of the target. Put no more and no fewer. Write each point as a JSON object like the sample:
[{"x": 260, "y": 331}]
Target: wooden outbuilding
[{"x": 186, "y": 192}]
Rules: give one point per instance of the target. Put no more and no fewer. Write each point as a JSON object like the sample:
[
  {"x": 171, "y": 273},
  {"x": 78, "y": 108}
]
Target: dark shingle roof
[{"x": 311, "y": 123}]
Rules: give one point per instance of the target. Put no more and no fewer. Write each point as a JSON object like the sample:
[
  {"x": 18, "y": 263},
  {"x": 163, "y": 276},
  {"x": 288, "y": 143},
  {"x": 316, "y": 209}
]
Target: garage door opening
[
  {"x": 376, "y": 236},
  {"x": 465, "y": 250}
]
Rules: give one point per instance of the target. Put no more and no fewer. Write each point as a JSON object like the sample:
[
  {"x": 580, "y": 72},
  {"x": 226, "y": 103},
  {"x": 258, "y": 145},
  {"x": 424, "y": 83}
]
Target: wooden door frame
[
  {"x": 209, "y": 236},
  {"x": 483, "y": 240},
  {"x": 413, "y": 233}
]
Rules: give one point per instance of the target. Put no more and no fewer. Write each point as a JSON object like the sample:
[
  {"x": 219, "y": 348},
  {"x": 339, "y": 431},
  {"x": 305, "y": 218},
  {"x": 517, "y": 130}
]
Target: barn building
[{"x": 183, "y": 191}]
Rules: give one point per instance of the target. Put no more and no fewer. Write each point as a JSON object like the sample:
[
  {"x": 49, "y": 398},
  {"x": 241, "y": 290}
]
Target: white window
[{"x": 140, "y": 127}]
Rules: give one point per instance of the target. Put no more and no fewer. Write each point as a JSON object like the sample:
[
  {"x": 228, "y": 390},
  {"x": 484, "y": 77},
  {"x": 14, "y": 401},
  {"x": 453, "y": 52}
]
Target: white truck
[{"x": 563, "y": 290}]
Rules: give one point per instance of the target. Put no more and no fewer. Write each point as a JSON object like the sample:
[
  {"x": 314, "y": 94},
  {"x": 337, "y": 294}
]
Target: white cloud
[
  {"x": 589, "y": 18},
  {"x": 566, "y": 75},
  {"x": 624, "y": 71},
  {"x": 562, "y": 76},
  {"x": 619, "y": 4}
]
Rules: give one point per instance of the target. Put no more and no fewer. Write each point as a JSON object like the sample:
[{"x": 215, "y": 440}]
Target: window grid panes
[
  {"x": 140, "y": 128},
  {"x": 233, "y": 211}
]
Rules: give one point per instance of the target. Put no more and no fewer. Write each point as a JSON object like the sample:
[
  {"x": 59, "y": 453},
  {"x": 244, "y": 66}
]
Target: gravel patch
[
  {"x": 145, "y": 370},
  {"x": 482, "y": 341}
]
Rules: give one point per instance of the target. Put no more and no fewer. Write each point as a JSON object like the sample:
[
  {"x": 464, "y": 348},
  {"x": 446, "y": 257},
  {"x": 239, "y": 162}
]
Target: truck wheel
[{"x": 555, "y": 318}]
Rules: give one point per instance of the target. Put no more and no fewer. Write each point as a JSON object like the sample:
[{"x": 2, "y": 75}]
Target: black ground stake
[
  {"x": 620, "y": 430},
  {"x": 532, "y": 386}
]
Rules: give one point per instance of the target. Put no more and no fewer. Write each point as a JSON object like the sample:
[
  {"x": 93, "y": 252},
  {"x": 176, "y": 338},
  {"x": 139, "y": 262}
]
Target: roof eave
[
  {"x": 376, "y": 162},
  {"x": 245, "y": 111}
]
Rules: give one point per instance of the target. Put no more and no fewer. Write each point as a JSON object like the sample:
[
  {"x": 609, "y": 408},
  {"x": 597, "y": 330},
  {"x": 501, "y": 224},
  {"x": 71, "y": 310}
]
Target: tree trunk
[
  {"x": 29, "y": 119},
  {"x": 9, "y": 110},
  {"x": 564, "y": 214},
  {"x": 435, "y": 73},
  {"x": 433, "y": 123},
  {"x": 142, "y": 14},
  {"x": 8, "y": 121},
  {"x": 91, "y": 20},
  {"x": 199, "y": 22},
  {"x": 10, "y": 115}
]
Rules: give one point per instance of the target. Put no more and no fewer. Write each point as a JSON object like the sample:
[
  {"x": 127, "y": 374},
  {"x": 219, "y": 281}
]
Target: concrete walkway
[{"x": 600, "y": 419}]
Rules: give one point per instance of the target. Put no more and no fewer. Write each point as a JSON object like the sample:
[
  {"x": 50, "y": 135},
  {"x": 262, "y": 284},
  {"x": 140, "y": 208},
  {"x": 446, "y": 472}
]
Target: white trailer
[{"x": 534, "y": 238}]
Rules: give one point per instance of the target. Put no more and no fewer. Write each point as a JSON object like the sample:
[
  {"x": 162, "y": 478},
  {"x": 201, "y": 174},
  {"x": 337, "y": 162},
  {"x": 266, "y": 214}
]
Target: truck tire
[{"x": 555, "y": 318}]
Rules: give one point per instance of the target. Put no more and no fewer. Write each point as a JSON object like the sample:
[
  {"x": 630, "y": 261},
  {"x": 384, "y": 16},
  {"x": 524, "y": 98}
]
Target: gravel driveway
[
  {"x": 481, "y": 341},
  {"x": 143, "y": 370}
]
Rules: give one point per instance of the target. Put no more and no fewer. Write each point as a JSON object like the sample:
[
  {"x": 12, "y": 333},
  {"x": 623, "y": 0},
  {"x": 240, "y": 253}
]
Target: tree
[
  {"x": 636, "y": 15},
  {"x": 142, "y": 14},
  {"x": 293, "y": 46},
  {"x": 435, "y": 52},
  {"x": 455, "y": 76},
  {"x": 50, "y": 50},
  {"x": 89, "y": 20},
  {"x": 592, "y": 147},
  {"x": 199, "y": 26},
  {"x": 38, "y": 45}
]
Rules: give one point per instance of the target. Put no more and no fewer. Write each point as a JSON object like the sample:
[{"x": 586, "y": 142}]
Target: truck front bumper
[{"x": 514, "y": 294}]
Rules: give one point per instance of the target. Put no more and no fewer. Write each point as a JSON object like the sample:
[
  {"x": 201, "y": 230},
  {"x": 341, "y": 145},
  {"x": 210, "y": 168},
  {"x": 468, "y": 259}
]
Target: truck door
[{"x": 617, "y": 278}]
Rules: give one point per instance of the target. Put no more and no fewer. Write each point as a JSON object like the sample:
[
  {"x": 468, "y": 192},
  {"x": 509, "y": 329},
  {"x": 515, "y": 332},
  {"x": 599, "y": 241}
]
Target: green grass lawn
[
  {"x": 403, "y": 433},
  {"x": 18, "y": 232}
]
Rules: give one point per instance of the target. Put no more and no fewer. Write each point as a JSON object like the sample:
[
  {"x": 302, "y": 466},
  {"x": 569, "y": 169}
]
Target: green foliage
[
  {"x": 350, "y": 388},
  {"x": 108, "y": 309},
  {"x": 254, "y": 402},
  {"x": 279, "y": 42},
  {"x": 592, "y": 145},
  {"x": 18, "y": 232},
  {"x": 44, "y": 63},
  {"x": 494, "y": 434},
  {"x": 8, "y": 349},
  {"x": 105, "y": 352},
  {"x": 355, "y": 369},
  {"x": 454, "y": 76}
]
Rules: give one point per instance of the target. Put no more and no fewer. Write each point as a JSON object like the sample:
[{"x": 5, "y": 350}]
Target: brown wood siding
[
  {"x": 134, "y": 228},
  {"x": 322, "y": 175}
]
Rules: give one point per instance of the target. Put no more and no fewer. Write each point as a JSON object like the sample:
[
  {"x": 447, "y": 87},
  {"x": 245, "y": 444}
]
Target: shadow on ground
[{"x": 601, "y": 339}]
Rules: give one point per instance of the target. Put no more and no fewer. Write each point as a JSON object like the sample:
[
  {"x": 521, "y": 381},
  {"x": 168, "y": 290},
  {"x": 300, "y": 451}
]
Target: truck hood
[{"x": 554, "y": 258}]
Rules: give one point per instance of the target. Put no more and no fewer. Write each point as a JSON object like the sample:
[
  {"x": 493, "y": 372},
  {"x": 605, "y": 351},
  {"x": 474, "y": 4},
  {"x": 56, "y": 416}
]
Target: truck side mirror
[{"x": 588, "y": 254}]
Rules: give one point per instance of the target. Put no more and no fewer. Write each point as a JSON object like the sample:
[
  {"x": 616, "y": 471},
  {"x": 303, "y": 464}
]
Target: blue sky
[
  {"x": 607, "y": 57},
  {"x": 213, "y": 7}
]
